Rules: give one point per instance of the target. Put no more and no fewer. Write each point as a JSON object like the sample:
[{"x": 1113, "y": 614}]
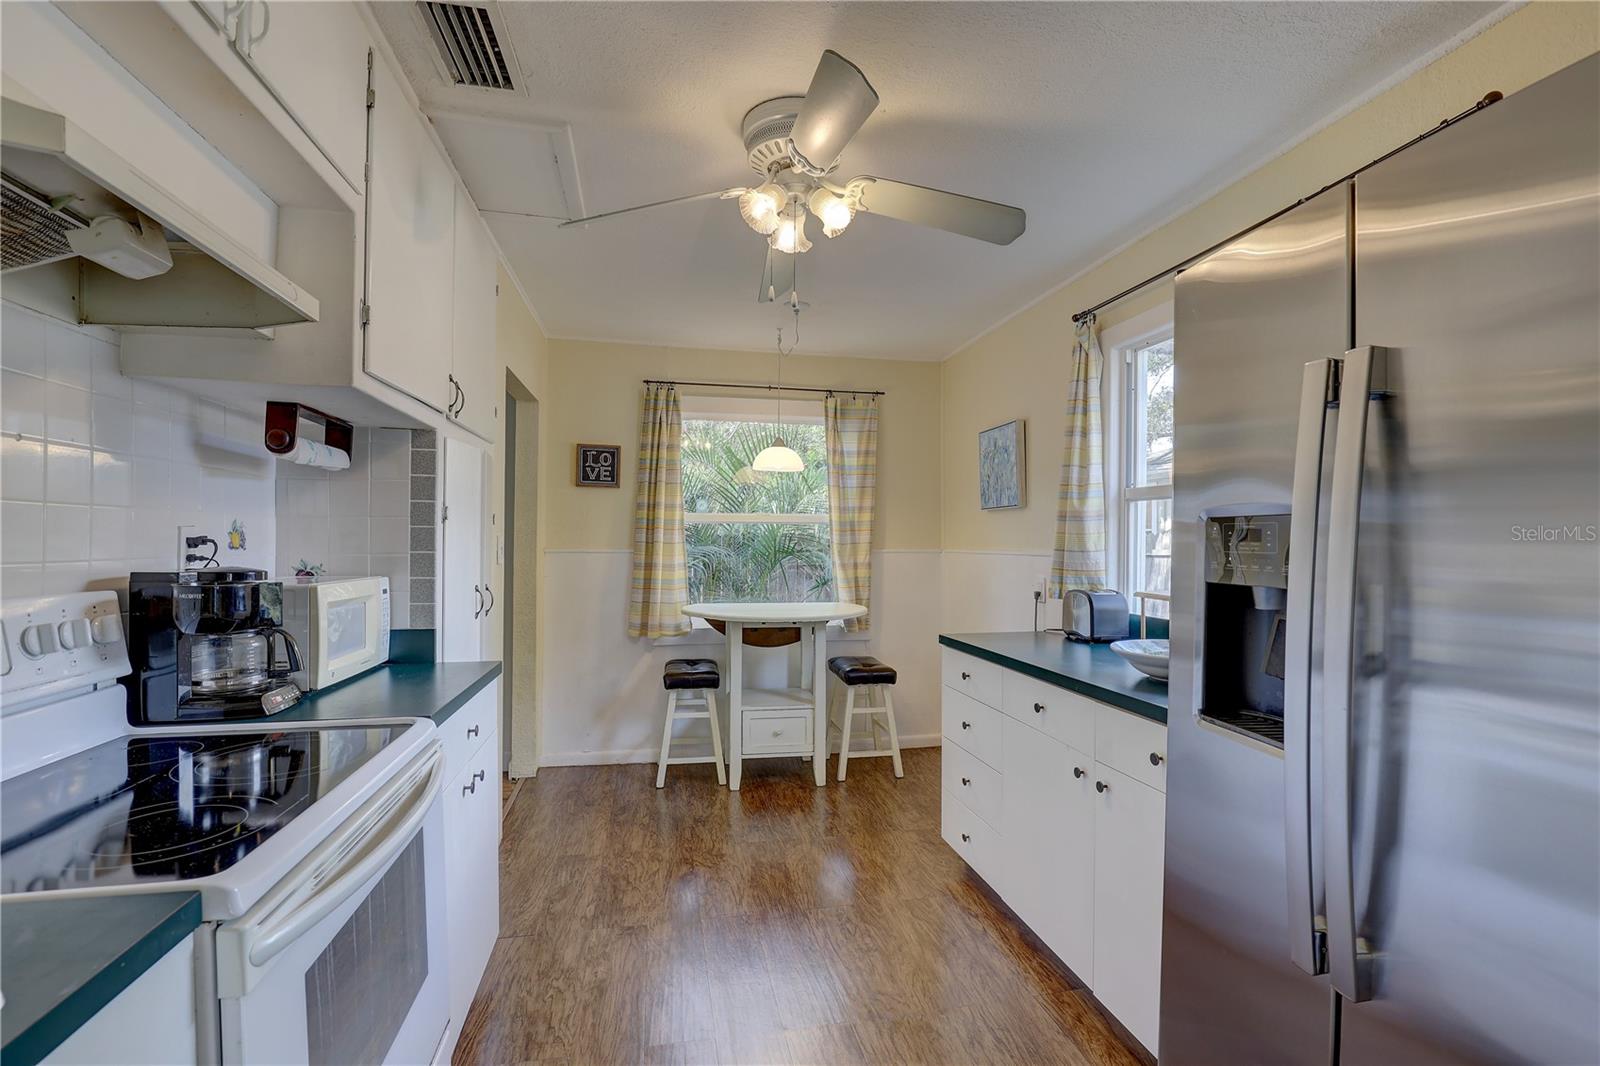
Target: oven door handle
[{"x": 331, "y": 874}]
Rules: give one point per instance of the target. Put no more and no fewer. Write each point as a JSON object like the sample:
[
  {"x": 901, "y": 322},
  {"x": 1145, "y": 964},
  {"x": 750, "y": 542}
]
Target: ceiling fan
[{"x": 795, "y": 142}]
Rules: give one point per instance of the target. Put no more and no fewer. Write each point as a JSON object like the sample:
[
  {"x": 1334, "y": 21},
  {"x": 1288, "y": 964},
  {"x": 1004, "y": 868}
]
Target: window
[
  {"x": 751, "y": 536},
  {"x": 1146, "y": 421}
]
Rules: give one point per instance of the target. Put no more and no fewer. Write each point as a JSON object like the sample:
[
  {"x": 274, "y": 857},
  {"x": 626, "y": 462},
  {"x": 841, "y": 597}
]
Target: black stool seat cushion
[
  {"x": 861, "y": 670},
  {"x": 691, "y": 673}
]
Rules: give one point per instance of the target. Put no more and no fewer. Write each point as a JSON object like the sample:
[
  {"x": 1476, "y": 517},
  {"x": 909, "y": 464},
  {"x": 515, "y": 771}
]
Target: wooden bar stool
[
  {"x": 695, "y": 682},
  {"x": 865, "y": 672}
]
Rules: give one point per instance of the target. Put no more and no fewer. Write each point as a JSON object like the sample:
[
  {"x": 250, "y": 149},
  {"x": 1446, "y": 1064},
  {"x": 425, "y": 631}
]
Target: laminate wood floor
[{"x": 784, "y": 923}]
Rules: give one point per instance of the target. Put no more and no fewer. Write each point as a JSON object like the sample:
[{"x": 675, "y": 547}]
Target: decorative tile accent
[
  {"x": 424, "y": 525},
  {"x": 422, "y": 564}
]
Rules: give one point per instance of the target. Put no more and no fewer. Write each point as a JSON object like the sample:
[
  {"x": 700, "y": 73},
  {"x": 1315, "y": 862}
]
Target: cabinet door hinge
[
  {"x": 366, "y": 313},
  {"x": 372, "y": 98},
  {"x": 444, "y": 512}
]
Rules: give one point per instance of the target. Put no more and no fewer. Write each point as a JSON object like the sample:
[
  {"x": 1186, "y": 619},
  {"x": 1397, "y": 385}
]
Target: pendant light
[{"x": 778, "y": 457}]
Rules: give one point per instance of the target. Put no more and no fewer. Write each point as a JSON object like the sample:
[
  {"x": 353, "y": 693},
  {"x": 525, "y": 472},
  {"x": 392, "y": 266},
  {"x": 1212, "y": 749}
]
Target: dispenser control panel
[
  {"x": 1248, "y": 550},
  {"x": 53, "y": 644}
]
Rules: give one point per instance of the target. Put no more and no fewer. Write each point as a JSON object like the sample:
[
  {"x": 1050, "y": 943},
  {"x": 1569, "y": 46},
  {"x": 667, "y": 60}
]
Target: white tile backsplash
[{"x": 99, "y": 469}]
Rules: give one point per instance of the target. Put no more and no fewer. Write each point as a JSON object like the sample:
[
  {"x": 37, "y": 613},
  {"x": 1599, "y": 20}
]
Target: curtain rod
[
  {"x": 1489, "y": 98},
  {"x": 768, "y": 388}
]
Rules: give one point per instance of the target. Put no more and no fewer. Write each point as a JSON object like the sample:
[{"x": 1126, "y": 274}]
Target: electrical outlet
[
  {"x": 183, "y": 549},
  {"x": 1041, "y": 586}
]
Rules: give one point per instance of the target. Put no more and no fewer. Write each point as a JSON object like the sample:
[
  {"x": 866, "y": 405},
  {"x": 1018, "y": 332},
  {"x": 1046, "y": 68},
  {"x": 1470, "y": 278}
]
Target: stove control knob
[
  {"x": 74, "y": 634},
  {"x": 106, "y": 628},
  {"x": 39, "y": 641}
]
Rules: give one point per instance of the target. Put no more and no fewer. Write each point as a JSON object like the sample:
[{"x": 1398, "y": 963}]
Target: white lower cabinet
[
  {"x": 1129, "y": 833},
  {"x": 472, "y": 840},
  {"x": 152, "y": 1020},
  {"x": 1073, "y": 842}
]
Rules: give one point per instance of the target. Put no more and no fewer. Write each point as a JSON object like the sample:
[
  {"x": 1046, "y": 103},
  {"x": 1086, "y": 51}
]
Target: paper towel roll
[{"x": 314, "y": 453}]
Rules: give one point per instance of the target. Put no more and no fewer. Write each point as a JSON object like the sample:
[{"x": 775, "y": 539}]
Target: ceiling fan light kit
[{"x": 795, "y": 143}]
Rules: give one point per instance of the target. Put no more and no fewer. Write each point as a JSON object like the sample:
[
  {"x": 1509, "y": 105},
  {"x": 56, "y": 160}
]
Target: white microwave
[{"x": 341, "y": 625}]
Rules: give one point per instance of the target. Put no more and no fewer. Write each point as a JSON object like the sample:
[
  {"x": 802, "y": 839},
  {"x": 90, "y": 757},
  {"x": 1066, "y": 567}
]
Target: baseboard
[{"x": 638, "y": 755}]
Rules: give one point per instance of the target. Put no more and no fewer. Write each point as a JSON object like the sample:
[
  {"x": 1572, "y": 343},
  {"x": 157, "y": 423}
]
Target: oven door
[{"x": 344, "y": 961}]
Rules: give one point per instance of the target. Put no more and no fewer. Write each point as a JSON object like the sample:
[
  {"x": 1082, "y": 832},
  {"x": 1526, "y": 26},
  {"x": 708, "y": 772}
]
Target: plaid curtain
[
  {"x": 1079, "y": 560},
  {"x": 852, "y": 428},
  {"x": 660, "y": 585}
]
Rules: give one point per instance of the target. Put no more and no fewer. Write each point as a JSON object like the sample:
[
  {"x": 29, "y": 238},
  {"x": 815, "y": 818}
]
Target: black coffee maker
[{"x": 203, "y": 644}]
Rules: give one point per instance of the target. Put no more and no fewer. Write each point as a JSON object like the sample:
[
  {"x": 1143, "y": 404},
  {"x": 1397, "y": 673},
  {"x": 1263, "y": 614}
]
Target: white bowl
[{"x": 1146, "y": 656}]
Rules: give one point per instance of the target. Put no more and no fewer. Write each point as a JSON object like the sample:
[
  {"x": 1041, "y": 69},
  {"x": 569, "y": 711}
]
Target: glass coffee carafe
[{"x": 241, "y": 664}]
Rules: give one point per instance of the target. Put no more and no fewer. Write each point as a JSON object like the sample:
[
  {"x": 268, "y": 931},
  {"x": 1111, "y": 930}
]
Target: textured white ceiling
[{"x": 1100, "y": 119}]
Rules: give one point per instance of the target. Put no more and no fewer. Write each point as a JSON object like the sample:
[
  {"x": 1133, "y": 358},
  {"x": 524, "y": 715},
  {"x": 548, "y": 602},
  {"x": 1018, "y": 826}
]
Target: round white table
[{"x": 772, "y": 711}]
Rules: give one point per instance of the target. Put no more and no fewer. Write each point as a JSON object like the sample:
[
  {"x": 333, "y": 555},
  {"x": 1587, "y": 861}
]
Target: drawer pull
[
  {"x": 1077, "y": 771},
  {"x": 1101, "y": 786},
  {"x": 966, "y": 780},
  {"x": 472, "y": 731},
  {"x": 1156, "y": 759},
  {"x": 965, "y": 676},
  {"x": 965, "y": 839},
  {"x": 478, "y": 776},
  {"x": 1038, "y": 708},
  {"x": 470, "y": 786},
  {"x": 966, "y": 725}
]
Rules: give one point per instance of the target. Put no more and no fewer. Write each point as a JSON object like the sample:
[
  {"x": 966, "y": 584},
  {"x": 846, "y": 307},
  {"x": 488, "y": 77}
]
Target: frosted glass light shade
[
  {"x": 834, "y": 211},
  {"x": 790, "y": 236},
  {"x": 778, "y": 458},
  {"x": 760, "y": 207}
]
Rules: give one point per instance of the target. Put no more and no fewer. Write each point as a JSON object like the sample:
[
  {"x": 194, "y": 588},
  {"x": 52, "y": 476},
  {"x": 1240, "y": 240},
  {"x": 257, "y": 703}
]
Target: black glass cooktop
[{"x": 166, "y": 808}]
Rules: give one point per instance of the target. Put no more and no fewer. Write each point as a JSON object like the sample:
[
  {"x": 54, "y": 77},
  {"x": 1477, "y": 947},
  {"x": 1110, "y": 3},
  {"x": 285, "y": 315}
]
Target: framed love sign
[{"x": 597, "y": 465}]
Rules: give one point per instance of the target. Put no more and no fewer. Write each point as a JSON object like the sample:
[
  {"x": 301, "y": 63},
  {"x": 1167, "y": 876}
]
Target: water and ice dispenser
[{"x": 1246, "y": 593}]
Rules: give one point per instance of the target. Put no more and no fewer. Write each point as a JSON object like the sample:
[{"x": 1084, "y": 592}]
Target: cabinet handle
[
  {"x": 487, "y": 591},
  {"x": 470, "y": 786},
  {"x": 1038, "y": 708},
  {"x": 1077, "y": 771},
  {"x": 966, "y": 780},
  {"x": 966, "y": 725},
  {"x": 478, "y": 775},
  {"x": 1101, "y": 786},
  {"x": 477, "y": 590},
  {"x": 965, "y": 839},
  {"x": 462, "y": 406},
  {"x": 965, "y": 676},
  {"x": 455, "y": 390},
  {"x": 1156, "y": 759},
  {"x": 472, "y": 731}
]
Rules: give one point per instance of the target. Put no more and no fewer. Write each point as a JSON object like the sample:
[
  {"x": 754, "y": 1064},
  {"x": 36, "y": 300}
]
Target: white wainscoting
[
  {"x": 602, "y": 700},
  {"x": 992, "y": 592}
]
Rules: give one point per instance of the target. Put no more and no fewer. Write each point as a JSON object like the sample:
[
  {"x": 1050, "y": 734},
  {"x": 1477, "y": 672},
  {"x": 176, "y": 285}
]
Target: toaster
[{"x": 1094, "y": 616}]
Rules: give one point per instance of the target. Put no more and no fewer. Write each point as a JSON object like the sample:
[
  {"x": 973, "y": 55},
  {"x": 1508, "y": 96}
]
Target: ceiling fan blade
[
  {"x": 777, "y": 278},
  {"x": 966, "y": 215},
  {"x": 722, "y": 194},
  {"x": 838, "y": 102}
]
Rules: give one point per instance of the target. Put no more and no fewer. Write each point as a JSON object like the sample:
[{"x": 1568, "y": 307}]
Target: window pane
[
  {"x": 717, "y": 478},
  {"x": 758, "y": 561},
  {"x": 1153, "y": 377},
  {"x": 1150, "y": 570}
]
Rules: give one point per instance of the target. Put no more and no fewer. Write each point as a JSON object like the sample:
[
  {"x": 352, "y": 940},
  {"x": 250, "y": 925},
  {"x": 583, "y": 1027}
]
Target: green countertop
[
  {"x": 396, "y": 690},
  {"x": 64, "y": 959},
  {"x": 1092, "y": 669}
]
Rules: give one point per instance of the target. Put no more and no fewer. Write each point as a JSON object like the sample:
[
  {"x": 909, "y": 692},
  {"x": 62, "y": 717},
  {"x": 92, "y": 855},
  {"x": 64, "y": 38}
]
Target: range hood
[{"x": 64, "y": 190}]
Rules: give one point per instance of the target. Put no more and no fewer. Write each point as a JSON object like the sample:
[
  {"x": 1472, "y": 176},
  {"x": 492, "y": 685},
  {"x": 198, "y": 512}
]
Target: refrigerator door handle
[
  {"x": 1307, "y": 940},
  {"x": 1364, "y": 375}
]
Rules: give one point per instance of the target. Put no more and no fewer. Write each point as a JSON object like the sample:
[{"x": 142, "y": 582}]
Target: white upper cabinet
[
  {"x": 313, "y": 58},
  {"x": 411, "y": 212},
  {"x": 476, "y": 371},
  {"x": 461, "y": 596}
]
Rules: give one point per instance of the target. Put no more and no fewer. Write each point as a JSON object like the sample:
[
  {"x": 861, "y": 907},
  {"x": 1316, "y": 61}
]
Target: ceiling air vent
[{"x": 468, "y": 45}]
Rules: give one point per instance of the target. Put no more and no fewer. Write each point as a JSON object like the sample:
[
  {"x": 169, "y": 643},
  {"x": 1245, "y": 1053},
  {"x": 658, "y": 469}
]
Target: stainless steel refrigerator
[{"x": 1383, "y": 806}]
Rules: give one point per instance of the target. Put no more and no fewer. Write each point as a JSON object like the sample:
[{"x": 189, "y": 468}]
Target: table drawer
[
  {"x": 973, "y": 782},
  {"x": 1132, "y": 744},
  {"x": 971, "y": 725},
  {"x": 1052, "y": 710},
  {"x": 766, "y": 734},
  {"x": 973, "y": 676},
  {"x": 464, "y": 732},
  {"x": 974, "y": 839}
]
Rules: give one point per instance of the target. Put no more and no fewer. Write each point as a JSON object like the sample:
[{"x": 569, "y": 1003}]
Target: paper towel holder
[{"x": 283, "y": 426}]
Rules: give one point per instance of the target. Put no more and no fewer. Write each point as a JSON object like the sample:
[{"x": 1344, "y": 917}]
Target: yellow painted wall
[
  {"x": 1016, "y": 370},
  {"x": 598, "y": 386}
]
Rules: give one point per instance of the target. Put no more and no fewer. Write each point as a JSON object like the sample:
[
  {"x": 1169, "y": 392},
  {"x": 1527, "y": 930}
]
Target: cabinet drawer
[
  {"x": 765, "y": 735},
  {"x": 973, "y": 839},
  {"x": 971, "y": 725},
  {"x": 1134, "y": 745},
  {"x": 970, "y": 675},
  {"x": 464, "y": 732},
  {"x": 975, "y": 783},
  {"x": 1053, "y": 711}
]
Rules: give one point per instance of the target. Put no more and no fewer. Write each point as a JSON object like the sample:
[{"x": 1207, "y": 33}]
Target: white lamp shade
[{"x": 778, "y": 458}]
